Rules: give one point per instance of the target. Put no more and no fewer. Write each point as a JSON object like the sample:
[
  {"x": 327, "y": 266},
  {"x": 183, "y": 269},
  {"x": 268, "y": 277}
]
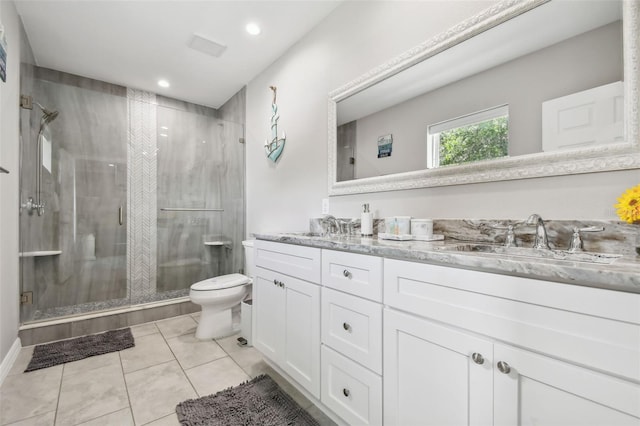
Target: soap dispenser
[{"x": 366, "y": 222}]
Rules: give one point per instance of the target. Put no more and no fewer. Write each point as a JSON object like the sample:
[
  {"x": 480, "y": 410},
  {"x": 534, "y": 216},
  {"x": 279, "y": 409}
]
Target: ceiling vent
[{"x": 207, "y": 46}]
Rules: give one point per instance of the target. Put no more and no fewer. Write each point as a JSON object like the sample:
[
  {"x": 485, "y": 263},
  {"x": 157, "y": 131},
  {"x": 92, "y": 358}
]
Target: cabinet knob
[
  {"x": 275, "y": 282},
  {"x": 477, "y": 358},
  {"x": 504, "y": 367},
  {"x": 281, "y": 284},
  {"x": 346, "y": 273},
  {"x": 346, "y": 326},
  {"x": 346, "y": 392}
]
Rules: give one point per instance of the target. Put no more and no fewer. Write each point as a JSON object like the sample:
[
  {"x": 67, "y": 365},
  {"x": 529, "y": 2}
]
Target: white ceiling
[{"x": 136, "y": 43}]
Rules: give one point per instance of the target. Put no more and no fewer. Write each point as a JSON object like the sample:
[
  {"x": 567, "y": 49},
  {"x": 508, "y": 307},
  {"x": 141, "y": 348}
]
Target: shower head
[{"x": 47, "y": 115}]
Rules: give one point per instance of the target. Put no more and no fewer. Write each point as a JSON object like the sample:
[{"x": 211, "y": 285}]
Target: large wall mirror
[{"x": 524, "y": 89}]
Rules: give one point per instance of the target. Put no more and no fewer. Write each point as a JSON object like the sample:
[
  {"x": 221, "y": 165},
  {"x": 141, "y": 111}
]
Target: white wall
[
  {"x": 9, "y": 144},
  {"x": 356, "y": 37}
]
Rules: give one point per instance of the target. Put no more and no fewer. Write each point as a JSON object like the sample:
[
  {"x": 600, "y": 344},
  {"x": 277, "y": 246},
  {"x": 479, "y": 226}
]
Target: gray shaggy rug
[
  {"x": 259, "y": 401},
  {"x": 79, "y": 348}
]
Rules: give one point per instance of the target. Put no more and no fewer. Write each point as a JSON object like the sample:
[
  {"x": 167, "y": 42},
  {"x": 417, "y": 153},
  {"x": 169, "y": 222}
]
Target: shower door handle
[{"x": 120, "y": 219}]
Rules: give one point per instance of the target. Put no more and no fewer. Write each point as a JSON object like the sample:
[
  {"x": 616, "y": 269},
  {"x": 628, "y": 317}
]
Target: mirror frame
[{"x": 616, "y": 156}]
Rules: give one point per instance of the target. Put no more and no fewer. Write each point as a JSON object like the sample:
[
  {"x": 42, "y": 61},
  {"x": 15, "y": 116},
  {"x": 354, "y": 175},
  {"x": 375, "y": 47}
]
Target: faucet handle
[
  {"x": 575, "y": 245},
  {"x": 510, "y": 239}
]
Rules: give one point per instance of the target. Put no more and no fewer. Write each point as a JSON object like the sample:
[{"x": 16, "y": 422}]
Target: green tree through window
[{"x": 480, "y": 141}]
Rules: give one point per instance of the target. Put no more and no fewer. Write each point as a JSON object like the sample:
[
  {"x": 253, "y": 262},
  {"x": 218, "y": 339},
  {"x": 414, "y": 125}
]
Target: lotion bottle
[{"x": 366, "y": 222}]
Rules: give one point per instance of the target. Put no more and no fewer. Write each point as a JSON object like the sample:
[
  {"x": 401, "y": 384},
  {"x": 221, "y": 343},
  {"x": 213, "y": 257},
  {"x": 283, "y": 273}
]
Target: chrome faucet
[
  {"x": 541, "y": 241},
  {"x": 331, "y": 222}
]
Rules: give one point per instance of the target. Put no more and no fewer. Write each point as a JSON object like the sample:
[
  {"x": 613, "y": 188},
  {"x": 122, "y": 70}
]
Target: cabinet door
[
  {"x": 268, "y": 314},
  {"x": 301, "y": 332},
  {"x": 430, "y": 377},
  {"x": 532, "y": 389}
]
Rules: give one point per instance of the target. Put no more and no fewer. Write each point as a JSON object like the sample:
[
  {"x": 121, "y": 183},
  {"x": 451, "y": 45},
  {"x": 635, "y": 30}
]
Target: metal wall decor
[{"x": 274, "y": 147}]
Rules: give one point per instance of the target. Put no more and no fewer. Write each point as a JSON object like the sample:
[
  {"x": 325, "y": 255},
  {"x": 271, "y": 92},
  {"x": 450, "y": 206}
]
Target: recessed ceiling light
[
  {"x": 164, "y": 128},
  {"x": 253, "y": 28},
  {"x": 164, "y": 135},
  {"x": 111, "y": 165},
  {"x": 163, "y": 83}
]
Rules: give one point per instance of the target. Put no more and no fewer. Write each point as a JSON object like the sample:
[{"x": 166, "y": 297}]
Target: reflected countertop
[{"x": 621, "y": 275}]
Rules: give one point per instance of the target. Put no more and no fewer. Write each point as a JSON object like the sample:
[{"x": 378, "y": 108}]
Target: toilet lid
[{"x": 218, "y": 283}]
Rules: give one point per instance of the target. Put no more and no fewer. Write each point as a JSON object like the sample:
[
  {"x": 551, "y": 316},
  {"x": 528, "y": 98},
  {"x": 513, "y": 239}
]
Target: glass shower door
[
  {"x": 200, "y": 198},
  {"x": 73, "y": 251}
]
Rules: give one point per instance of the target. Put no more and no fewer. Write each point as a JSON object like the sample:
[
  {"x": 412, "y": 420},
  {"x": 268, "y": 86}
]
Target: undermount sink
[{"x": 587, "y": 257}]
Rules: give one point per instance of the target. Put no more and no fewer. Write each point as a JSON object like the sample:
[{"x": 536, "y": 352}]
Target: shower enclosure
[{"x": 127, "y": 197}]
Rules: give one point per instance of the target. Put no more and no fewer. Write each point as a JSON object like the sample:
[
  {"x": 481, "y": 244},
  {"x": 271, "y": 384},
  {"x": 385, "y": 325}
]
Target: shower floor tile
[{"x": 137, "y": 386}]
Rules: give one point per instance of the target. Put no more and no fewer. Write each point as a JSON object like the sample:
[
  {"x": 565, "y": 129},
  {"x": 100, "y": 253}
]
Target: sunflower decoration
[{"x": 628, "y": 207}]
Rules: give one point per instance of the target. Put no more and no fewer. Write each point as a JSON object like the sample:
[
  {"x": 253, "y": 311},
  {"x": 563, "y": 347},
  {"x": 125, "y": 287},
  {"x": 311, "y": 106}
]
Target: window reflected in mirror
[{"x": 482, "y": 135}]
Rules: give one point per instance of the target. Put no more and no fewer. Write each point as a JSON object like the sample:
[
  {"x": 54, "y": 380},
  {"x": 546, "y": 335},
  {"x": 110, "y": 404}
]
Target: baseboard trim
[{"x": 9, "y": 359}]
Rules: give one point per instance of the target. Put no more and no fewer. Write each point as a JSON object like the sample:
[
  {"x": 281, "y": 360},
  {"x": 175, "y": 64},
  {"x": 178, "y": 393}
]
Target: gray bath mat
[
  {"x": 257, "y": 402},
  {"x": 63, "y": 351}
]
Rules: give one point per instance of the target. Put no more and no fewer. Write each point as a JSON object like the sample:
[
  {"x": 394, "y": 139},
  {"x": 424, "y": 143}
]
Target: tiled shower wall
[
  {"x": 109, "y": 151},
  {"x": 141, "y": 208}
]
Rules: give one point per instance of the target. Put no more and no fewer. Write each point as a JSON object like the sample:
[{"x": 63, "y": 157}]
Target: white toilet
[{"x": 218, "y": 296}]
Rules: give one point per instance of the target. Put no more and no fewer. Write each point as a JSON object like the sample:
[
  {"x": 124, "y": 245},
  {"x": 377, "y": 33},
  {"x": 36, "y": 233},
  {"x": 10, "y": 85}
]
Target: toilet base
[{"x": 214, "y": 325}]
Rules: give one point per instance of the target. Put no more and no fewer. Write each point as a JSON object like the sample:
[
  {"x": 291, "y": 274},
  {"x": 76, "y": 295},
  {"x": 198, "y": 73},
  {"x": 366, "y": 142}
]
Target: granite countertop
[{"x": 621, "y": 275}]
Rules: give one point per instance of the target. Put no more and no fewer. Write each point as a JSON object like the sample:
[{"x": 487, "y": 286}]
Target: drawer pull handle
[
  {"x": 504, "y": 367},
  {"x": 477, "y": 358},
  {"x": 346, "y": 326},
  {"x": 346, "y": 273},
  {"x": 346, "y": 392}
]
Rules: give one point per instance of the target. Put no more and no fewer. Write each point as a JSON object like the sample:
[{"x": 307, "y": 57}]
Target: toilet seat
[{"x": 221, "y": 282}]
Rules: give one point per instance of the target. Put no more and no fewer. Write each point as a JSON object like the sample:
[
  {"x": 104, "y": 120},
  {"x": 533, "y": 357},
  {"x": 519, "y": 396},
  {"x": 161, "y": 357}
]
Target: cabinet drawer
[
  {"x": 350, "y": 390},
  {"x": 358, "y": 274},
  {"x": 568, "y": 322},
  {"x": 295, "y": 261},
  {"x": 353, "y": 327}
]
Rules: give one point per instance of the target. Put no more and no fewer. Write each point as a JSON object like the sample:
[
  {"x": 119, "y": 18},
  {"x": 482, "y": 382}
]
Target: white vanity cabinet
[
  {"x": 286, "y": 313},
  {"x": 352, "y": 336},
  {"x": 466, "y": 347}
]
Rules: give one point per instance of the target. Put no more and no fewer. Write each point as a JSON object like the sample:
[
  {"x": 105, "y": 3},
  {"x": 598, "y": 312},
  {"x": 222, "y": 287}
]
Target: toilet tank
[{"x": 249, "y": 262}]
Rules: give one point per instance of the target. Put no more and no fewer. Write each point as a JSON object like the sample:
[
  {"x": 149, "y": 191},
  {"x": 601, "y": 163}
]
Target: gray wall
[
  {"x": 9, "y": 199},
  {"x": 580, "y": 63},
  {"x": 348, "y": 43}
]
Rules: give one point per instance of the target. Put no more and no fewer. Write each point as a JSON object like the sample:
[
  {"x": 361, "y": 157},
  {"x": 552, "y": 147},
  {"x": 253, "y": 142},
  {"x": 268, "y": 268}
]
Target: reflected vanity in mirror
[{"x": 524, "y": 89}]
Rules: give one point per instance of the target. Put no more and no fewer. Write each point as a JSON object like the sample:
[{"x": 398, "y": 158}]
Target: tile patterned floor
[{"x": 137, "y": 386}]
